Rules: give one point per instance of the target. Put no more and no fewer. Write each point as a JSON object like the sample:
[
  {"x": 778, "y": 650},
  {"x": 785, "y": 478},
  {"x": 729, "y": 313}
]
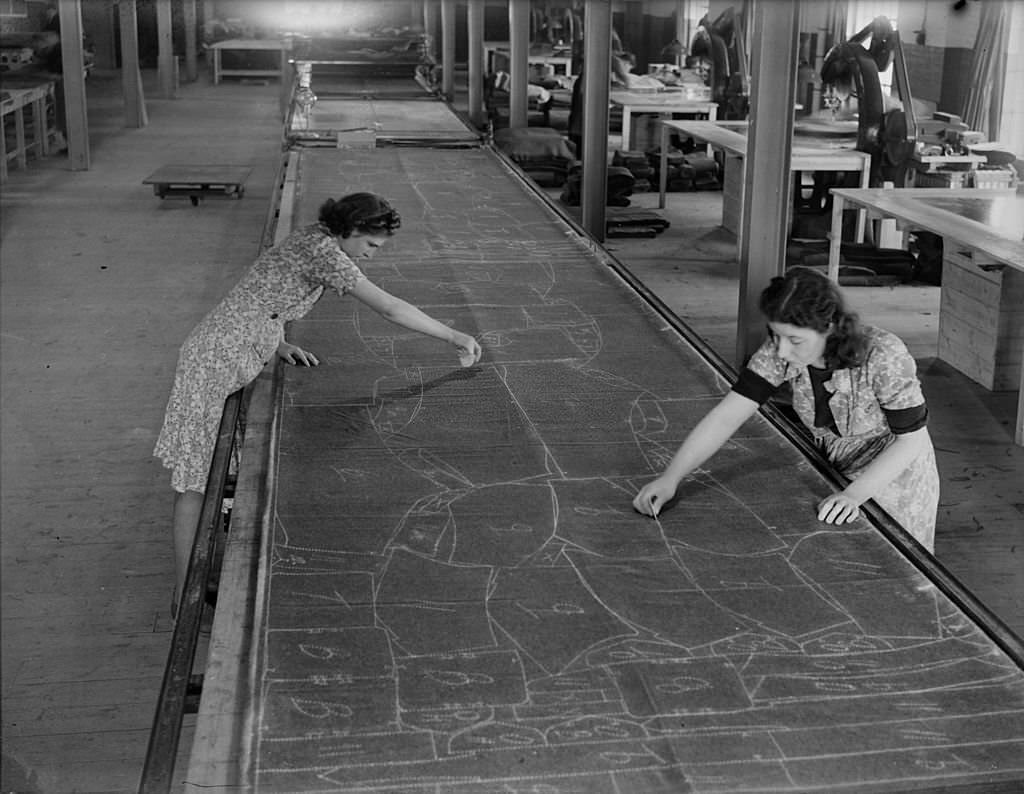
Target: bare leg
[{"x": 187, "y": 508}]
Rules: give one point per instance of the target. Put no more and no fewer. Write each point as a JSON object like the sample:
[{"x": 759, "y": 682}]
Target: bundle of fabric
[
  {"x": 634, "y": 222},
  {"x": 496, "y": 96},
  {"x": 629, "y": 221},
  {"x": 705, "y": 171},
  {"x": 541, "y": 152},
  {"x": 620, "y": 186},
  {"x": 680, "y": 175},
  {"x": 860, "y": 264},
  {"x": 638, "y": 166}
]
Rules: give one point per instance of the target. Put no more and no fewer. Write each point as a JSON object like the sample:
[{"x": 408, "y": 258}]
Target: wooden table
[
  {"x": 666, "y": 104},
  {"x": 981, "y": 312},
  {"x": 196, "y": 181},
  {"x": 434, "y": 579},
  {"x": 925, "y": 168},
  {"x": 17, "y": 101},
  {"x": 248, "y": 45},
  {"x": 804, "y": 157},
  {"x": 560, "y": 63}
]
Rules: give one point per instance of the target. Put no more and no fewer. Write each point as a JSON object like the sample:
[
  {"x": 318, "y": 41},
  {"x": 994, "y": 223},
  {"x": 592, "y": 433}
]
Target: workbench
[
  {"x": 666, "y": 104},
  {"x": 732, "y": 142},
  {"x": 351, "y": 109},
  {"x": 198, "y": 181},
  {"x": 943, "y": 170},
  {"x": 249, "y": 45},
  {"x": 28, "y": 110},
  {"x": 497, "y": 57},
  {"x": 981, "y": 310}
]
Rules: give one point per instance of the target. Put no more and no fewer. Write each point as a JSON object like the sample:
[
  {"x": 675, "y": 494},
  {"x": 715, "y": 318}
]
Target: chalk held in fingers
[{"x": 466, "y": 358}]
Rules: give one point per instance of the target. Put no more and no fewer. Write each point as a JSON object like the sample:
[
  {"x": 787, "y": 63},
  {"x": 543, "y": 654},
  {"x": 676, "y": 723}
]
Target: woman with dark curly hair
[
  {"x": 855, "y": 388},
  {"x": 230, "y": 346}
]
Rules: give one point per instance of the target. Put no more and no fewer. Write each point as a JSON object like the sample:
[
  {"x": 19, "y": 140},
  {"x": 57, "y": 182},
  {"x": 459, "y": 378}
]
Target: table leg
[
  {"x": 713, "y": 116},
  {"x": 19, "y": 138},
  {"x": 216, "y": 66},
  {"x": 862, "y": 213},
  {"x": 1018, "y": 435},
  {"x": 740, "y": 165},
  {"x": 663, "y": 168},
  {"x": 3, "y": 153},
  {"x": 39, "y": 126},
  {"x": 835, "y": 237},
  {"x": 625, "y": 128}
]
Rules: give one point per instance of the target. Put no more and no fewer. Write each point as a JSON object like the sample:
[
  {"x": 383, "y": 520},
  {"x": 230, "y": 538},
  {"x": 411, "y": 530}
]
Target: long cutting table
[
  {"x": 435, "y": 581},
  {"x": 357, "y": 110}
]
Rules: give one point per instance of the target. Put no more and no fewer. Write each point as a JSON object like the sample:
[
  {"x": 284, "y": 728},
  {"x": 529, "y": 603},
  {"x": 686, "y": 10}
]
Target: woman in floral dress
[
  {"x": 854, "y": 387},
  {"x": 233, "y": 343}
]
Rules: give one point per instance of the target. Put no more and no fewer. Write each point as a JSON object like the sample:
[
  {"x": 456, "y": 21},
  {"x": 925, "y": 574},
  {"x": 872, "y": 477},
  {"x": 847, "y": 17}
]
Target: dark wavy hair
[
  {"x": 808, "y": 298},
  {"x": 359, "y": 212}
]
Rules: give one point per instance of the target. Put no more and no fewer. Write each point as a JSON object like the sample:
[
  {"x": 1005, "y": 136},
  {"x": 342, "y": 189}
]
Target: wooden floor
[{"x": 101, "y": 281}]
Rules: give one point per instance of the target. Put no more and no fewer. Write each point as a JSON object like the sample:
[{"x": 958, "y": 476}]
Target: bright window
[{"x": 859, "y": 15}]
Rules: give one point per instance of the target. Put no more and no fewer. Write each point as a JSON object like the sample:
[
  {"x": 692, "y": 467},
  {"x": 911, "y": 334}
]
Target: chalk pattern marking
[{"x": 462, "y": 599}]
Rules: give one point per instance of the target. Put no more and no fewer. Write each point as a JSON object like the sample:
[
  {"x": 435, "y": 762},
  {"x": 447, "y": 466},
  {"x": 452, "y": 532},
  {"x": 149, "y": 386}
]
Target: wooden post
[
  {"x": 430, "y": 14},
  {"x": 475, "y": 77},
  {"x": 767, "y": 176},
  {"x": 131, "y": 78},
  {"x": 597, "y": 67},
  {"x": 73, "y": 59},
  {"x": 448, "y": 49},
  {"x": 289, "y": 74},
  {"x": 188, "y": 10},
  {"x": 165, "y": 49},
  {"x": 518, "y": 54}
]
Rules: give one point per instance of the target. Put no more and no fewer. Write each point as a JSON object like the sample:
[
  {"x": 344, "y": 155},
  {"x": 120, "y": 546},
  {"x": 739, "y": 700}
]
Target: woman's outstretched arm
[
  {"x": 704, "y": 440},
  {"x": 403, "y": 313}
]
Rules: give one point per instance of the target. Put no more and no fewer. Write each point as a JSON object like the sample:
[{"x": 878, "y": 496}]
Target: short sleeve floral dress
[
  {"x": 862, "y": 402},
  {"x": 230, "y": 346}
]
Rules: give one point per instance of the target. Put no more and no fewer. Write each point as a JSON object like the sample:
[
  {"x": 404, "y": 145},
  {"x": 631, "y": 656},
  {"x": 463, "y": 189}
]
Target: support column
[
  {"x": 475, "y": 57},
  {"x": 448, "y": 49},
  {"x": 597, "y": 67},
  {"x": 518, "y": 53},
  {"x": 73, "y": 59},
  {"x": 430, "y": 14},
  {"x": 288, "y": 77},
  {"x": 188, "y": 10},
  {"x": 131, "y": 78},
  {"x": 767, "y": 175},
  {"x": 165, "y": 48}
]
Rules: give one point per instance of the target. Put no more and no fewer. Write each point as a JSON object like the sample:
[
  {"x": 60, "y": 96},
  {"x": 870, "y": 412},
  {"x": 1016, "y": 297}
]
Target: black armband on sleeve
[
  {"x": 906, "y": 420},
  {"x": 752, "y": 386}
]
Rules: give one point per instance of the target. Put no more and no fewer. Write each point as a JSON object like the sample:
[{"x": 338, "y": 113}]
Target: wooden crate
[
  {"x": 981, "y": 320},
  {"x": 992, "y": 178},
  {"x": 942, "y": 178}
]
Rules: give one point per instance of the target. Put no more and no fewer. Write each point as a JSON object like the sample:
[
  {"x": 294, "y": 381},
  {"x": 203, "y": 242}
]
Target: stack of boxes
[{"x": 945, "y": 158}]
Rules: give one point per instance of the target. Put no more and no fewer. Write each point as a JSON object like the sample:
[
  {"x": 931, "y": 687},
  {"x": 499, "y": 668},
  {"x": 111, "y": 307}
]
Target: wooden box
[{"x": 981, "y": 320}]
